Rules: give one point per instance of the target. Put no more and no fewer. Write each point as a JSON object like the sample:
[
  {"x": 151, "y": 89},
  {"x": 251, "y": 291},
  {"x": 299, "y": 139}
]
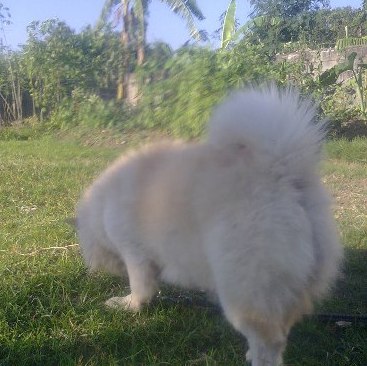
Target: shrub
[
  {"x": 88, "y": 111},
  {"x": 338, "y": 104},
  {"x": 195, "y": 80}
]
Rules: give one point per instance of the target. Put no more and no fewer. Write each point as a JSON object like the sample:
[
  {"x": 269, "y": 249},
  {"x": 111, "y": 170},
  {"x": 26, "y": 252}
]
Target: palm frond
[
  {"x": 106, "y": 12},
  {"x": 194, "y": 9},
  {"x": 187, "y": 10}
]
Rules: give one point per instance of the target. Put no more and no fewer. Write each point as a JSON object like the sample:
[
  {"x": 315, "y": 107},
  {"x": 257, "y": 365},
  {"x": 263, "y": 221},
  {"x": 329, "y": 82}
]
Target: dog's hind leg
[
  {"x": 265, "y": 340},
  {"x": 262, "y": 351},
  {"x": 266, "y": 337},
  {"x": 143, "y": 284}
]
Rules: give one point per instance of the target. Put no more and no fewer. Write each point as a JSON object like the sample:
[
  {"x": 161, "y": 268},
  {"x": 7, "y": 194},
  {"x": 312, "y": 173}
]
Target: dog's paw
[{"x": 123, "y": 303}]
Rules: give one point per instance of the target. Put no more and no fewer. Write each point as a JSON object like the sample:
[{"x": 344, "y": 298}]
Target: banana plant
[
  {"x": 229, "y": 25},
  {"x": 330, "y": 77},
  {"x": 229, "y": 32}
]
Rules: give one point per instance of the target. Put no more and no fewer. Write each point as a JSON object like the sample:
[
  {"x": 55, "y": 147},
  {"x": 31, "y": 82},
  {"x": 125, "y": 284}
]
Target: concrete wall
[{"x": 319, "y": 61}]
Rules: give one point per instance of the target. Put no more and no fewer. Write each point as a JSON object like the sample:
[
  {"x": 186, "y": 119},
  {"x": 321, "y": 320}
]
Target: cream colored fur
[{"x": 242, "y": 214}]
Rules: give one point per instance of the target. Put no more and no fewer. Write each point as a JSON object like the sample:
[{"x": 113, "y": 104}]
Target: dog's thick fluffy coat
[{"x": 242, "y": 215}]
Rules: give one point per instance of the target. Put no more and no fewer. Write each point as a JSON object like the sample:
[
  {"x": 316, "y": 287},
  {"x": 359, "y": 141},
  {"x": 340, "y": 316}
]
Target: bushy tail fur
[{"x": 278, "y": 125}]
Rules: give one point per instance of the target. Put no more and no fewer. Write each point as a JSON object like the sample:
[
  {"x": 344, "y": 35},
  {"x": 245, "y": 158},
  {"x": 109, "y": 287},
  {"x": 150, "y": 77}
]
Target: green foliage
[
  {"x": 87, "y": 110},
  {"x": 285, "y": 8},
  {"x": 12, "y": 81},
  {"x": 180, "y": 102},
  {"x": 351, "y": 151},
  {"x": 331, "y": 75},
  {"x": 343, "y": 43},
  {"x": 22, "y": 133},
  {"x": 326, "y": 26},
  {"x": 266, "y": 31},
  {"x": 69, "y": 78},
  {"x": 282, "y": 21},
  {"x": 58, "y": 61},
  {"x": 310, "y": 23},
  {"x": 338, "y": 104},
  {"x": 358, "y": 71},
  {"x": 195, "y": 80},
  {"x": 154, "y": 69}
]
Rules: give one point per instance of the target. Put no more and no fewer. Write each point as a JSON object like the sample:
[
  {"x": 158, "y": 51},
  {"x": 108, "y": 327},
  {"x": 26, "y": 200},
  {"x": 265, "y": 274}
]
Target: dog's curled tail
[{"x": 277, "y": 126}]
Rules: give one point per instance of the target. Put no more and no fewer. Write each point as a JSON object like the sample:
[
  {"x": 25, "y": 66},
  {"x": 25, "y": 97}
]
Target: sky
[{"x": 163, "y": 25}]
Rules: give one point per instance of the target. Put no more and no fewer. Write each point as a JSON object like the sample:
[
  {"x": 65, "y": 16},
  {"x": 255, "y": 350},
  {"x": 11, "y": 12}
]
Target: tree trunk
[
  {"x": 141, "y": 53},
  {"x": 125, "y": 62},
  {"x": 20, "y": 102},
  {"x": 141, "y": 42}
]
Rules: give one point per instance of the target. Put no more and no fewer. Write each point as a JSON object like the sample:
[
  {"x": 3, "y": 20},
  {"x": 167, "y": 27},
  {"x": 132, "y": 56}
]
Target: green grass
[{"x": 51, "y": 309}]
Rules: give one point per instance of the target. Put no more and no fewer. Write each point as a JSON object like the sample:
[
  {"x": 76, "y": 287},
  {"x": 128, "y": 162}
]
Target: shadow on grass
[
  {"x": 58, "y": 319},
  {"x": 349, "y": 130}
]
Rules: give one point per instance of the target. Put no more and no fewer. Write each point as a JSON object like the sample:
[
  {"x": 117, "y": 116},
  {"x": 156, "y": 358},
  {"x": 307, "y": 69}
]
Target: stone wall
[{"x": 319, "y": 61}]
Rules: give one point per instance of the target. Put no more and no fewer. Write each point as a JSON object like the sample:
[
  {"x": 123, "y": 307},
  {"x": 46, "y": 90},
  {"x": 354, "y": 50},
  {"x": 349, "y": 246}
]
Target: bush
[
  {"x": 87, "y": 111},
  {"x": 195, "y": 80},
  {"x": 338, "y": 104}
]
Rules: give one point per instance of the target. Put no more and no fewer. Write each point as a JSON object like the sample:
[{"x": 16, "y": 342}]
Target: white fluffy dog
[{"x": 242, "y": 215}]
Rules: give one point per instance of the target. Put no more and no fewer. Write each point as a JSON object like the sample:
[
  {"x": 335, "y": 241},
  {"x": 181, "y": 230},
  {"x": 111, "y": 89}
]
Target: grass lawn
[{"x": 51, "y": 310}]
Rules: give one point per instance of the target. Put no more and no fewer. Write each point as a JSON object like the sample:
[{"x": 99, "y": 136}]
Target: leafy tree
[
  {"x": 275, "y": 22},
  {"x": 314, "y": 28},
  {"x": 285, "y": 8},
  {"x": 133, "y": 16},
  {"x": 329, "y": 25},
  {"x": 58, "y": 62},
  {"x": 12, "y": 87},
  {"x": 10, "y": 79}
]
